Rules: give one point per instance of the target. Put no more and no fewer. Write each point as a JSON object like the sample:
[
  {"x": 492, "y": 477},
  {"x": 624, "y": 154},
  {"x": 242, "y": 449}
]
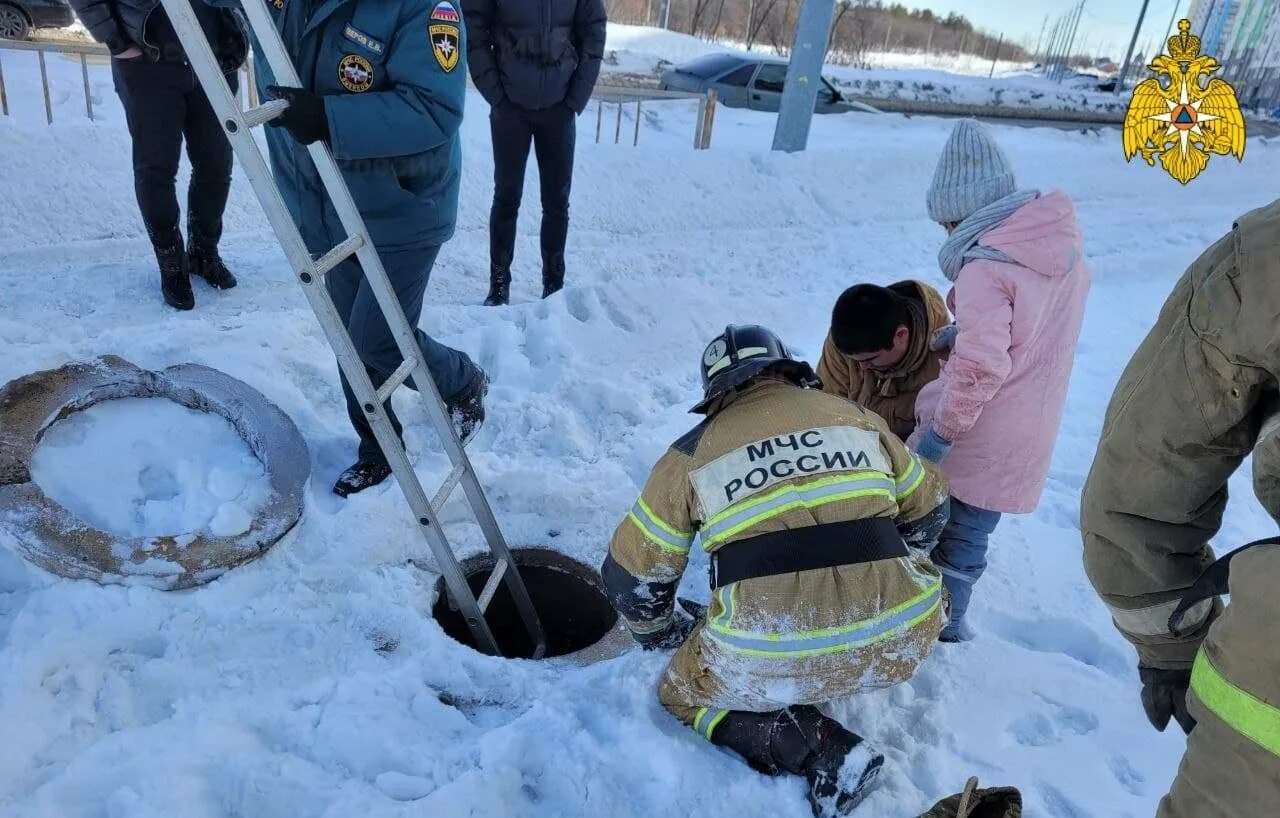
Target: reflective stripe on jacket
[{"x": 778, "y": 458}]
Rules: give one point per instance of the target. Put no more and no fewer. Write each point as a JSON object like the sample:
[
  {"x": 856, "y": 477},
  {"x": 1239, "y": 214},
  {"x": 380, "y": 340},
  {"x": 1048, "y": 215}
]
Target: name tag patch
[
  {"x": 757, "y": 466},
  {"x": 358, "y": 37}
]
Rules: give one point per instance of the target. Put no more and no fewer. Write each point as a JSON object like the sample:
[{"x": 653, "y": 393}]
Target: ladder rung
[
  {"x": 338, "y": 254},
  {"x": 447, "y": 487},
  {"x": 267, "y": 111},
  {"x": 491, "y": 585},
  {"x": 398, "y": 377}
]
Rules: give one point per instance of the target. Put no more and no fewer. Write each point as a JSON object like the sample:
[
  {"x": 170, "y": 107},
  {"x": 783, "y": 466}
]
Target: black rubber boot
[
  {"x": 175, "y": 281},
  {"x": 364, "y": 474},
  {"x": 466, "y": 410},
  {"x": 207, "y": 264},
  {"x": 838, "y": 764},
  {"x": 499, "y": 286},
  {"x": 552, "y": 276}
]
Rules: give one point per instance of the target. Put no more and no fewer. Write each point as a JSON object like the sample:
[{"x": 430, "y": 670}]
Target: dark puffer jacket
[
  {"x": 535, "y": 53},
  {"x": 122, "y": 24}
]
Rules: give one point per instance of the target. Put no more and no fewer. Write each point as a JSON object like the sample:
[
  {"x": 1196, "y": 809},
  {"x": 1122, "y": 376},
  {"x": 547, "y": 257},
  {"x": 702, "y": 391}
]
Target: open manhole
[{"x": 568, "y": 596}]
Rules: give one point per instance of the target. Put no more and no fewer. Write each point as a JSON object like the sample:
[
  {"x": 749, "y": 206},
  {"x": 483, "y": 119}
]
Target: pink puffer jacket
[{"x": 1001, "y": 393}]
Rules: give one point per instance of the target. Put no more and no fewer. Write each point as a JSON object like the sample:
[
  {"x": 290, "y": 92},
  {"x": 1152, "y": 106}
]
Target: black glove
[
  {"x": 1164, "y": 694},
  {"x": 305, "y": 117},
  {"x": 672, "y": 636}
]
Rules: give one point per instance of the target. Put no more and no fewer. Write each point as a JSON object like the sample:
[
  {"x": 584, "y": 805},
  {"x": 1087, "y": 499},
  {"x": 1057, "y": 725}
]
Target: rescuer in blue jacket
[{"x": 384, "y": 83}]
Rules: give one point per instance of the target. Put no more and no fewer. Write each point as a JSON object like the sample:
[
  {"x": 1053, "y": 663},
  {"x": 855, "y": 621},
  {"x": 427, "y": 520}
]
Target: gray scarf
[{"x": 963, "y": 243}]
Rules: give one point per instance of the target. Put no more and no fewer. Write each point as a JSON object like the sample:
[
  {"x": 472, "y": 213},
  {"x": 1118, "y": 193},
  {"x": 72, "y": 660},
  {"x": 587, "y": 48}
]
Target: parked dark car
[
  {"x": 19, "y": 17},
  {"x": 749, "y": 81}
]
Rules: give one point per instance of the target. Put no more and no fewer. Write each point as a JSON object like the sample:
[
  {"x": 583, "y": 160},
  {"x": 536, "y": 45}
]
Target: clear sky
[{"x": 1105, "y": 28}]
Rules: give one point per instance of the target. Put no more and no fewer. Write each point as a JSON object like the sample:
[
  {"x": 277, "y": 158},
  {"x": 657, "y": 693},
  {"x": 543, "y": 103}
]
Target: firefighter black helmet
[{"x": 739, "y": 354}]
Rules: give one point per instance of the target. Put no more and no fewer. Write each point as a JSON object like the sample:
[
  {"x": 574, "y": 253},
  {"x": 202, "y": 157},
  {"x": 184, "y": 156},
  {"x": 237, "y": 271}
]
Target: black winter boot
[
  {"x": 499, "y": 286},
  {"x": 206, "y": 263},
  {"x": 175, "y": 282},
  {"x": 362, "y": 475},
  {"x": 552, "y": 275},
  {"x": 466, "y": 409},
  {"x": 841, "y": 766},
  {"x": 838, "y": 765}
]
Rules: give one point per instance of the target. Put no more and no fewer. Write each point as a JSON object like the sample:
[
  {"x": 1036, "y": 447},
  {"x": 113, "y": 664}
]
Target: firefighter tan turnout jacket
[
  {"x": 778, "y": 458},
  {"x": 1199, "y": 395}
]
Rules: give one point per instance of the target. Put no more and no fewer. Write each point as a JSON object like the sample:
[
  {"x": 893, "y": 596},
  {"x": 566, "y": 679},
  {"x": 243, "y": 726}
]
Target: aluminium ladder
[{"x": 239, "y": 125}]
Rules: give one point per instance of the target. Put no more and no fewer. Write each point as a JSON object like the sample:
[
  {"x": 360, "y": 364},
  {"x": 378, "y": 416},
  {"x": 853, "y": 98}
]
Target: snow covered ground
[
  {"x": 116, "y": 466},
  {"x": 309, "y": 682}
]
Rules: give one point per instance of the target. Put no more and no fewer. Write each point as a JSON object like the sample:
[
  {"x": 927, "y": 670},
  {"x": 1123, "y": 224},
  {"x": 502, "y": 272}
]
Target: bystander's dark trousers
[
  {"x": 409, "y": 271},
  {"x": 164, "y": 105},
  {"x": 552, "y": 131}
]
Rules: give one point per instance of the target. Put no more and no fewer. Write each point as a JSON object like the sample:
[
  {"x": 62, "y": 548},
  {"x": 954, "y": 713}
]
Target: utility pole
[
  {"x": 804, "y": 76},
  {"x": 996, "y": 58},
  {"x": 1173, "y": 18},
  {"x": 664, "y": 13},
  {"x": 1050, "y": 47},
  {"x": 1040, "y": 39},
  {"x": 1071, "y": 41},
  {"x": 1128, "y": 55}
]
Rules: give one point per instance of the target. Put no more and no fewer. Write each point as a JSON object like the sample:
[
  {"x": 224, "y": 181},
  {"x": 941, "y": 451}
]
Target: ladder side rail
[
  {"x": 207, "y": 70},
  {"x": 406, "y": 339}
]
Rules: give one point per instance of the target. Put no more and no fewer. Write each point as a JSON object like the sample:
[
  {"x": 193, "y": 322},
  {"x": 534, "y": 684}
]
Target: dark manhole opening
[{"x": 568, "y": 596}]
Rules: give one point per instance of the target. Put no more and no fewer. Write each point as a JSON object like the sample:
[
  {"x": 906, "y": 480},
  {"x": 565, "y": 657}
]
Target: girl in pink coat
[{"x": 1019, "y": 286}]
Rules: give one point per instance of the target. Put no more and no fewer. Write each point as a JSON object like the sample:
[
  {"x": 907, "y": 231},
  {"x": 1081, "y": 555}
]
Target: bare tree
[{"x": 758, "y": 15}]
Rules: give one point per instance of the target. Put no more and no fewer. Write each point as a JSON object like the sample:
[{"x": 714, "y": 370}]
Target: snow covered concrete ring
[{"x": 59, "y": 541}]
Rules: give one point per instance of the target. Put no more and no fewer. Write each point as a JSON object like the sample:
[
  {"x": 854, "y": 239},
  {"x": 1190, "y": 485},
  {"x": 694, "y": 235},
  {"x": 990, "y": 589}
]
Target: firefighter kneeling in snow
[{"x": 807, "y": 504}]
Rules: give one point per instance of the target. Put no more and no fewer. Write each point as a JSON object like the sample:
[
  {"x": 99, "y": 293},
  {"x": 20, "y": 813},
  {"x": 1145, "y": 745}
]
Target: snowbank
[{"x": 272, "y": 692}]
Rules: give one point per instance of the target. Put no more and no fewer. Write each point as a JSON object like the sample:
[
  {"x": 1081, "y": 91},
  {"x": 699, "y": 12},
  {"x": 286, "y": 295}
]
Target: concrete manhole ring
[
  {"x": 581, "y": 625},
  {"x": 57, "y": 540}
]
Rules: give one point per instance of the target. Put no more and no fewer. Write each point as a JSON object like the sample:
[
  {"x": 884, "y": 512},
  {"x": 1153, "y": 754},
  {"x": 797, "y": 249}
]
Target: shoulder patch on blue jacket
[
  {"x": 446, "y": 12},
  {"x": 358, "y": 37},
  {"x": 688, "y": 442}
]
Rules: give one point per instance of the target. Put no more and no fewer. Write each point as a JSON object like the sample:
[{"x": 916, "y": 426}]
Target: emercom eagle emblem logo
[{"x": 1181, "y": 115}]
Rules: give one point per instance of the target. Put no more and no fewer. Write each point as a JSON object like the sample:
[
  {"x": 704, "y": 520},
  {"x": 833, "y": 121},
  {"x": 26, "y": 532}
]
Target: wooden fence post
[{"x": 636, "y": 140}]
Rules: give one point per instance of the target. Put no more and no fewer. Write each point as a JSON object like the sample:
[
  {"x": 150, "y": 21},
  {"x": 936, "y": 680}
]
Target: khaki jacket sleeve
[
  {"x": 1185, "y": 414},
  {"x": 838, "y": 374},
  {"x": 650, "y": 548}
]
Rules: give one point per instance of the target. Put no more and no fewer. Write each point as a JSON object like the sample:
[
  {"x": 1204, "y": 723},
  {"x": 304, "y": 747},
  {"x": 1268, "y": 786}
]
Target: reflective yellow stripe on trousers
[{"x": 1241, "y": 710}]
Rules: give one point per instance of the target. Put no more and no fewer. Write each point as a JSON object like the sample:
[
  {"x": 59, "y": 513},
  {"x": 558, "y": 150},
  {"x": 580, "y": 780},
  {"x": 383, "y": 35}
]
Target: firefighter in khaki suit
[
  {"x": 808, "y": 506},
  {"x": 1200, "y": 394}
]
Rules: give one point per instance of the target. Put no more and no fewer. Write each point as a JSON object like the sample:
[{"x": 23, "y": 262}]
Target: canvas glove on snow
[
  {"x": 305, "y": 117},
  {"x": 1164, "y": 695},
  {"x": 932, "y": 446},
  {"x": 672, "y": 636}
]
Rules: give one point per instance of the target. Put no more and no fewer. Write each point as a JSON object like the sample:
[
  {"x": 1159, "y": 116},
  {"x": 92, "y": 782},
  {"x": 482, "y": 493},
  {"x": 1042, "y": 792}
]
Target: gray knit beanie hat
[{"x": 972, "y": 173}]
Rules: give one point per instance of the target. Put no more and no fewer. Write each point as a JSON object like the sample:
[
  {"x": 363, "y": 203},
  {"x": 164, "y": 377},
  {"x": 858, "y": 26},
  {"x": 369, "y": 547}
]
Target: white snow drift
[{"x": 147, "y": 467}]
